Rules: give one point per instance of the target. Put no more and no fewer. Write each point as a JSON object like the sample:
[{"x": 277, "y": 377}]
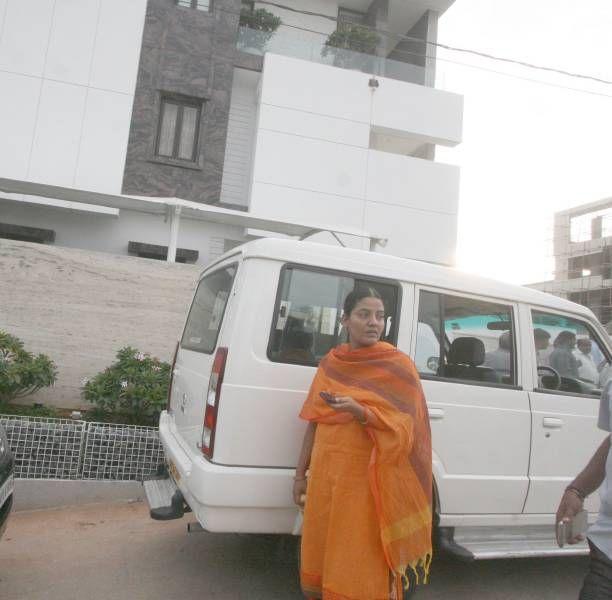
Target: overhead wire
[{"x": 478, "y": 53}]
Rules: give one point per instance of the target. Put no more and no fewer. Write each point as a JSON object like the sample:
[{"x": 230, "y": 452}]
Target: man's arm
[{"x": 584, "y": 484}]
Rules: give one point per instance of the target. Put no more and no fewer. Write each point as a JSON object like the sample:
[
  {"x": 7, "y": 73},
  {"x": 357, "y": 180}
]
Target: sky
[{"x": 529, "y": 149}]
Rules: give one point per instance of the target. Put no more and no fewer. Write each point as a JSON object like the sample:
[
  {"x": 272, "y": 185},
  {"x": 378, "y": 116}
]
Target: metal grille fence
[
  {"x": 121, "y": 452},
  {"x": 46, "y": 448}
]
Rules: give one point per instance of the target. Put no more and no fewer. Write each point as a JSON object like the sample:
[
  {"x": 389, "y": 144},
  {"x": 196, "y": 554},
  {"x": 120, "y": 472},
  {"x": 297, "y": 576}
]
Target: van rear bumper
[{"x": 227, "y": 498}]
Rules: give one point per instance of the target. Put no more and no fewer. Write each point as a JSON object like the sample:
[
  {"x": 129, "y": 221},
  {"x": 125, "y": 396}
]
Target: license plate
[
  {"x": 6, "y": 490},
  {"x": 173, "y": 471}
]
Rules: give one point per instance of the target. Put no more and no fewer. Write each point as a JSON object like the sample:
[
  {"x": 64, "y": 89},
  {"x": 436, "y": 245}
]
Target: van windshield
[{"x": 206, "y": 313}]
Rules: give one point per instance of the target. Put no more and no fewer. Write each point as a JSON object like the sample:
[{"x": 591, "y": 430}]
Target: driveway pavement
[{"x": 115, "y": 552}]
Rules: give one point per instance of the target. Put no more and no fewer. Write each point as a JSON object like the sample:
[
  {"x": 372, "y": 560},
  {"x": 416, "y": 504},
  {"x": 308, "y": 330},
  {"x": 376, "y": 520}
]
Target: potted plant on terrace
[
  {"x": 352, "y": 46},
  {"x": 256, "y": 28}
]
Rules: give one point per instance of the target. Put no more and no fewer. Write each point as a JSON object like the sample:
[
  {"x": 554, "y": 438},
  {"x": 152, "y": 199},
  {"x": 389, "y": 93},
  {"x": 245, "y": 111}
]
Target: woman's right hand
[
  {"x": 569, "y": 507},
  {"x": 299, "y": 490}
]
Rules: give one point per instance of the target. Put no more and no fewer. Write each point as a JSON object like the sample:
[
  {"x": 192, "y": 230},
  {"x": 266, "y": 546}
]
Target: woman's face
[{"x": 366, "y": 322}]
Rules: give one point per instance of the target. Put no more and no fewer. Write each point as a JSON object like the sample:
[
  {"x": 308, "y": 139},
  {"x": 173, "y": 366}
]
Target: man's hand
[{"x": 569, "y": 507}]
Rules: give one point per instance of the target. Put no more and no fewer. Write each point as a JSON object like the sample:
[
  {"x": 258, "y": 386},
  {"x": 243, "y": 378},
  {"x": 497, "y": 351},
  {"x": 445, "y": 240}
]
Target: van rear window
[
  {"x": 306, "y": 321},
  {"x": 207, "y": 309}
]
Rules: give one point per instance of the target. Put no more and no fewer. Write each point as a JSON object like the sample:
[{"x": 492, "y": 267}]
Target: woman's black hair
[{"x": 356, "y": 295}]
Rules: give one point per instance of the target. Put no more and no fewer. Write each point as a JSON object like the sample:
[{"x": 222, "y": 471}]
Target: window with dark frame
[
  {"x": 306, "y": 322},
  {"x": 178, "y": 128},
  {"x": 197, "y": 4},
  {"x": 465, "y": 339},
  {"x": 570, "y": 358},
  {"x": 207, "y": 310},
  {"x": 26, "y": 234},
  {"x": 156, "y": 252}
]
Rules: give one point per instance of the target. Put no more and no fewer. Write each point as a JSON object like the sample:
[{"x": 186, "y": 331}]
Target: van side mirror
[{"x": 433, "y": 362}]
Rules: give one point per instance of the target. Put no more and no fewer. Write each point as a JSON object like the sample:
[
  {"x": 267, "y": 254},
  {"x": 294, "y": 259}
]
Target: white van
[{"x": 509, "y": 430}]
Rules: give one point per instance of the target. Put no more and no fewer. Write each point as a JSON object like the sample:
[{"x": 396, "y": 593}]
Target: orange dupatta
[{"x": 385, "y": 381}]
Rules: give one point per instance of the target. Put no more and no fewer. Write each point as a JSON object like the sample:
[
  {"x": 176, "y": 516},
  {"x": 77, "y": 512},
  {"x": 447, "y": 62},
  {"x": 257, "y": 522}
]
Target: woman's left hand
[{"x": 347, "y": 404}]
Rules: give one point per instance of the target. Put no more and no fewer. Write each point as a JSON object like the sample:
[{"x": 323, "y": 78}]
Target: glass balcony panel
[{"x": 313, "y": 48}]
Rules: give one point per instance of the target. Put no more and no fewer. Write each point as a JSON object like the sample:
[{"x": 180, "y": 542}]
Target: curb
[{"x": 37, "y": 494}]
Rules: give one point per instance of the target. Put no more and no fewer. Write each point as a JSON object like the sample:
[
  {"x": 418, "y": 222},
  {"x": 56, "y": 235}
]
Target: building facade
[
  {"x": 314, "y": 111},
  {"x": 583, "y": 258}
]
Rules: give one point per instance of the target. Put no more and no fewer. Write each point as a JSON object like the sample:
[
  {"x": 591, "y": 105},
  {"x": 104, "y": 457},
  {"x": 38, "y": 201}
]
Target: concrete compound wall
[{"x": 80, "y": 307}]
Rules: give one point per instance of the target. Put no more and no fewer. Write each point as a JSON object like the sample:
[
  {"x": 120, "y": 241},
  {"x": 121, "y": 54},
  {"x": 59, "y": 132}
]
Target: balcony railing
[{"x": 313, "y": 49}]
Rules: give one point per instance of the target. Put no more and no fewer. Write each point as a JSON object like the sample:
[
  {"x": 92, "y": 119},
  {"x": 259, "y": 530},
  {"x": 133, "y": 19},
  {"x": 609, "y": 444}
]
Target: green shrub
[
  {"x": 260, "y": 20},
  {"x": 22, "y": 373},
  {"x": 352, "y": 37},
  {"x": 132, "y": 390},
  {"x": 256, "y": 29}
]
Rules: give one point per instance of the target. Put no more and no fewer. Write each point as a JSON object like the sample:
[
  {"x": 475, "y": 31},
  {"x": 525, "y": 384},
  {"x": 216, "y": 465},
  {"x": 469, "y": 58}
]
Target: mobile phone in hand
[
  {"x": 578, "y": 525},
  {"x": 329, "y": 398}
]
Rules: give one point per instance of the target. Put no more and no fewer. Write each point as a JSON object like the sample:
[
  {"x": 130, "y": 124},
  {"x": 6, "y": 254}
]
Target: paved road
[{"x": 115, "y": 552}]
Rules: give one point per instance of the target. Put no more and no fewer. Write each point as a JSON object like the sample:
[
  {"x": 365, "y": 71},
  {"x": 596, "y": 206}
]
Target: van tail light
[
  {"x": 168, "y": 403},
  {"x": 212, "y": 402}
]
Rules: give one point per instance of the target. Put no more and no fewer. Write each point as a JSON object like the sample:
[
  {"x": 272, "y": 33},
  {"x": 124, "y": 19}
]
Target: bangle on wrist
[
  {"x": 365, "y": 418},
  {"x": 577, "y": 491}
]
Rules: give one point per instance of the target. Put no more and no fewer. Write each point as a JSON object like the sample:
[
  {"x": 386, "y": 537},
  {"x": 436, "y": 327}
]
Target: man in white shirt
[
  {"x": 543, "y": 348},
  {"x": 587, "y": 370},
  {"x": 598, "y": 581}
]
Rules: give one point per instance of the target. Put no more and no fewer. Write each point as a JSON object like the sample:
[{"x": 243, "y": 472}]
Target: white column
[{"x": 175, "y": 219}]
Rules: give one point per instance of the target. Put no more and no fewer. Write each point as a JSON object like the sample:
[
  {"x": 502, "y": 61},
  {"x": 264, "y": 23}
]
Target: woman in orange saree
[{"x": 367, "y": 452}]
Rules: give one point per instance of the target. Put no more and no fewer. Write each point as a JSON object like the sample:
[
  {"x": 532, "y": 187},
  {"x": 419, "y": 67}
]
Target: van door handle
[
  {"x": 435, "y": 414},
  {"x": 552, "y": 423}
]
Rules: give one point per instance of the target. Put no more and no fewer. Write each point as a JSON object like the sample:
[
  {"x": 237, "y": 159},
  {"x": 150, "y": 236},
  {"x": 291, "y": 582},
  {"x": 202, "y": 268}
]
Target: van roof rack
[{"x": 173, "y": 209}]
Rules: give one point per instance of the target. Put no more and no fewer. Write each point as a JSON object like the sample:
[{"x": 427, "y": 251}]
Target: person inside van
[
  {"x": 562, "y": 358},
  {"x": 500, "y": 359},
  {"x": 297, "y": 347},
  {"x": 587, "y": 369},
  {"x": 367, "y": 450},
  {"x": 543, "y": 350}
]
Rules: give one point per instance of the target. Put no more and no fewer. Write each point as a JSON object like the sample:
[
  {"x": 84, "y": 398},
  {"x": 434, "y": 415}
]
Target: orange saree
[{"x": 367, "y": 519}]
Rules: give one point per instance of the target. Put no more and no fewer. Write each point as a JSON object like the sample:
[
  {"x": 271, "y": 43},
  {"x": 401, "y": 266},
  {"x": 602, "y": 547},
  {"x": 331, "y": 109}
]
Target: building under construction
[{"x": 583, "y": 258}]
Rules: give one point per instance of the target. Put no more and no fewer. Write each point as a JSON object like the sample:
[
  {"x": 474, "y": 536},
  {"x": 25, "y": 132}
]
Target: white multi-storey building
[{"x": 185, "y": 99}]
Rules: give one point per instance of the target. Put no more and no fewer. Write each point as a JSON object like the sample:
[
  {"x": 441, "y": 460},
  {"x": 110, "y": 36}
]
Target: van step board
[
  {"x": 165, "y": 500},
  {"x": 482, "y": 543}
]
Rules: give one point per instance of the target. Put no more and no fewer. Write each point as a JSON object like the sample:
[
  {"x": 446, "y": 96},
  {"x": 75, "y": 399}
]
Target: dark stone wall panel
[{"x": 189, "y": 52}]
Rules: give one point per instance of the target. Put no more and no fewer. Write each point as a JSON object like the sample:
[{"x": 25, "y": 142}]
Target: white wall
[
  {"x": 313, "y": 160},
  {"x": 239, "y": 142},
  {"x": 101, "y": 233},
  {"x": 67, "y": 74}
]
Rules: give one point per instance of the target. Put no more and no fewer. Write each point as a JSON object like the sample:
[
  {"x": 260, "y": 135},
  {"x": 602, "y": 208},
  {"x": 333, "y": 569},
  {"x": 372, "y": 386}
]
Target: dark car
[{"x": 7, "y": 465}]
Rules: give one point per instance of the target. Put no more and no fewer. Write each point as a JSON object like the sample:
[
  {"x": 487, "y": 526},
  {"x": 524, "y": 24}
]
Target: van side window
[
  {"x": 465, "y": 339},
  {"x": 206, "y": 313},
  {"x": 569, "y": 356},
  {"x": 306, "y": 321}
]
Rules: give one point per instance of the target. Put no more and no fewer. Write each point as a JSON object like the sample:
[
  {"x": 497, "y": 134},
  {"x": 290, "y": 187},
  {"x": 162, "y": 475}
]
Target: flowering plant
[
  {"x": 132, "y": 390},
  {"x": 22, "y": 373}
]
